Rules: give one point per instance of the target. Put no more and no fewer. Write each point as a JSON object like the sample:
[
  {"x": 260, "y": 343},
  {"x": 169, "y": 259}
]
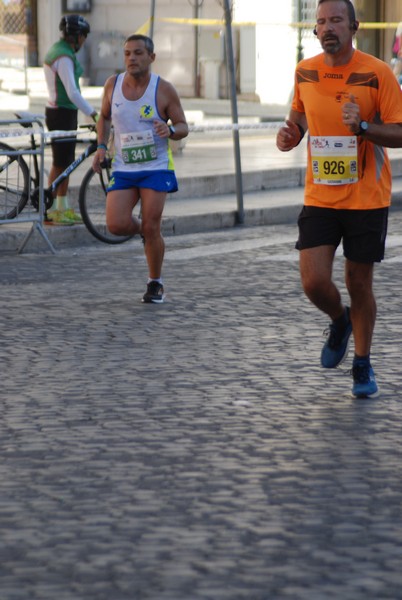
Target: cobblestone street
[{"x": 194, "y": 450}]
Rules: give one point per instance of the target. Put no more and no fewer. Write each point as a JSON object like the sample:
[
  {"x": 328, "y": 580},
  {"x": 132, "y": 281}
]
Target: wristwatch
[
  {"x": 172, "y": 130},
  {"x": 363, "y": 127}
]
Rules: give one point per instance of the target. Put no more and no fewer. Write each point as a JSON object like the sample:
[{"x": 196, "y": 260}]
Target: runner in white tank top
[
  {"x": 137, "y": 147},
  {"x": 140, "y": 105}
]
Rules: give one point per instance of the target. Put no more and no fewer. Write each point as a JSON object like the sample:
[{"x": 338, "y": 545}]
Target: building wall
[
  {"x": 113, "y": 20},
  {"x": 391, "y": 13},
  {"x": 193, "y": 58}
]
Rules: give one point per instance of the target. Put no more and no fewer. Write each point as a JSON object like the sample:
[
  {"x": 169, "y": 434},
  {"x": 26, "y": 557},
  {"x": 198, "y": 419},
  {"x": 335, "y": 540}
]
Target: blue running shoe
[
  {"x": 336, "y": 347},
  {"x": 364, "y": 383}
]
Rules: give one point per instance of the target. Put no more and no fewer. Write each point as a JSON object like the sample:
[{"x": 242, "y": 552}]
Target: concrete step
[{"x": 273, "y": 207}]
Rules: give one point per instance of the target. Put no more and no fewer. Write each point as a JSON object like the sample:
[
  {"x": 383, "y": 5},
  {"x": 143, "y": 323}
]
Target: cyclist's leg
[
  {"x": 119, "y": 212},
  {"x": 63, "y": 153},
  {"x": 53, "y": 174}
]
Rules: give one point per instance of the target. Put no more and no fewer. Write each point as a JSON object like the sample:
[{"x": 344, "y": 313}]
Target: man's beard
[{"x": 331, "y": 48}]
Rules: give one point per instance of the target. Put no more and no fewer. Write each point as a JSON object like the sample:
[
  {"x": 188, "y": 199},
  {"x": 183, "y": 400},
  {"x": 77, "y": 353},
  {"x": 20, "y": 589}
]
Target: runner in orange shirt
[{"x": 352, "y": 106}]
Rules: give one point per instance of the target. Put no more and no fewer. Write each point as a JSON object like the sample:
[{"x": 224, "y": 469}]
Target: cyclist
[
  {"x": 62, "y": 73},
  {"x": 140, "y": 104}
]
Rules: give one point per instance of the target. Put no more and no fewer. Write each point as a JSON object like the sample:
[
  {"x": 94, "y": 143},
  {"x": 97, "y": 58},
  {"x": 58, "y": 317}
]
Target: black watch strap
[{"x": 363, "y": 127}]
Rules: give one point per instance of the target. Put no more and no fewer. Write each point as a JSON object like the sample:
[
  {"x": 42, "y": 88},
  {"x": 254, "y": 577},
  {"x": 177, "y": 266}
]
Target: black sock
[
  {"x": 343, "y": 320},
  {"x": 366, "y": 358}
]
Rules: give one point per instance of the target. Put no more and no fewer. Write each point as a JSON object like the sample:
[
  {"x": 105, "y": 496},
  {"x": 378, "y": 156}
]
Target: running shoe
[
  {"x": 364, "y": 383},
  {"x": 71, "y": 214},
  {"x": 154, "y": 293},
  {"x": 336, "y": 347},
  {"x": 58, "y": 217}
]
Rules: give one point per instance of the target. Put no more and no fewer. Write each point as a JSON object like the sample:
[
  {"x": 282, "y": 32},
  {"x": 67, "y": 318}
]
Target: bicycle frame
[
  {"x": 51, "y": 189},
  {"x": 92, "y": 191},
  {"x": 91, "y": 149}
]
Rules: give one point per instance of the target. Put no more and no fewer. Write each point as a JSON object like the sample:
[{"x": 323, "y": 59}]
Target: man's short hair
[
  {"x": 149, "y": 45},
  {"x": 349, "y": 6}
]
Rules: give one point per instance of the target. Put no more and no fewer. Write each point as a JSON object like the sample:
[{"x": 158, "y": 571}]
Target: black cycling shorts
[
  {"x": 362, "y": 232},
  {"x": 62, "y": 119}
]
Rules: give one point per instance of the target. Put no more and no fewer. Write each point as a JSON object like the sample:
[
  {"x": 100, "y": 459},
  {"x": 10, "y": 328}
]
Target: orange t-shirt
[{"x": 320, "y": 92}]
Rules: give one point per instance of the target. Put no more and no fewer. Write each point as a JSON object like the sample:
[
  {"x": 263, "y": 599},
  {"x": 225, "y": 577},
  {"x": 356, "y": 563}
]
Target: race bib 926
[{"x": 334, "y": 159}]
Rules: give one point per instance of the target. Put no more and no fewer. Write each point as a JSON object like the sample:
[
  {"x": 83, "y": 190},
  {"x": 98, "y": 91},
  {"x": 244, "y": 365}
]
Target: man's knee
[
  {"x": 314, "y": 284},
  {"x": 117, "y": 225},
  {"x": 359, "y": 278},
  {"x": 150, "y": 229}
]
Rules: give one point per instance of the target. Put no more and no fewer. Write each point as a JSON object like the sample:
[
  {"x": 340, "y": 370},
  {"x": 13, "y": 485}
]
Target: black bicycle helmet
[{"x": 74, "y": 25}]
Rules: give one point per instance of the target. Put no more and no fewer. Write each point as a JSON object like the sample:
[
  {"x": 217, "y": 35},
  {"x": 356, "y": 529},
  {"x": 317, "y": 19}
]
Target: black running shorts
[
  {"x": 62, "y": 119},
  {"x": 362, "y": 232}
]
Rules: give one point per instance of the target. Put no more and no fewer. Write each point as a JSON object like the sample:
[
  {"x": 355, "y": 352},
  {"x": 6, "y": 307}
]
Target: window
[{"x": 77, "y": 6}]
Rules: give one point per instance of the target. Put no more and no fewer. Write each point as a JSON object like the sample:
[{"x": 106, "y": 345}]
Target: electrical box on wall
[
  {"x": 106, "y": 55},
  {"x": 211, "y": 45}
]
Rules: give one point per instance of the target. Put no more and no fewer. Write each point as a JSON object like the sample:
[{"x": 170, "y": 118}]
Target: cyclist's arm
[
  {"x": 66, "y": 74},
  {"x": 104, "y": 124}
]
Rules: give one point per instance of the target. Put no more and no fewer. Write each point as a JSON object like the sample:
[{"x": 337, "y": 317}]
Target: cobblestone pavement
[{"x": 193, "y": 450}]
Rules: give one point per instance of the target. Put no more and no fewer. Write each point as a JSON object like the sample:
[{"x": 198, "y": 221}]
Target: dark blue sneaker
[
  {"x": 336, "y": 347},
  {"x": 364, "y": 383}
]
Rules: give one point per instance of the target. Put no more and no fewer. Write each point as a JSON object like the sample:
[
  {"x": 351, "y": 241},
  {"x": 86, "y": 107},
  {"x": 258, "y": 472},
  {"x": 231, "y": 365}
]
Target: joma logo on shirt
[{"x": 333, "y": 76}]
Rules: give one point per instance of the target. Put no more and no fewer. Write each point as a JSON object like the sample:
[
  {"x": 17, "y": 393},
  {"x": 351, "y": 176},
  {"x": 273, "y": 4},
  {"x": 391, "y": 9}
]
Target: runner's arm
[
  {"x": 290, "y": 136},
  {"x": 104, "y": 124},
  {"x": 172, "y": 110},
  {"x": 388, "y": 135}
]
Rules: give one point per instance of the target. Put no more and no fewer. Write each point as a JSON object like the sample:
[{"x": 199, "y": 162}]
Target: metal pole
[
  {"x": 196, "y": 51},
  {"x": 299, "y": 31},
  {"x": 151, "y": 21},
  {"x": 235, "y": 120}
]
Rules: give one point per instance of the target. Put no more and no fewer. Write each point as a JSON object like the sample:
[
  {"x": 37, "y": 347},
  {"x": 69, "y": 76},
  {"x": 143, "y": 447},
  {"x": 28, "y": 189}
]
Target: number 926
[{"x": 334, "y": 167}]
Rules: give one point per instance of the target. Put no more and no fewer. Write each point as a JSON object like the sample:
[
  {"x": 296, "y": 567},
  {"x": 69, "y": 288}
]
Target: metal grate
[{"x": 13, "y": 16}]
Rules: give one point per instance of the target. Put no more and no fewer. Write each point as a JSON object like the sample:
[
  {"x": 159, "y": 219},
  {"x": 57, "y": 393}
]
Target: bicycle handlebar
[
  {"x": 25, "y": 115},
  {"x": 90, "y": 126}
]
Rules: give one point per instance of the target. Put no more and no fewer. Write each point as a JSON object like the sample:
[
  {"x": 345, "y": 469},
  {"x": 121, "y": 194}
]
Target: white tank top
[{"x": 138, "y": 148}]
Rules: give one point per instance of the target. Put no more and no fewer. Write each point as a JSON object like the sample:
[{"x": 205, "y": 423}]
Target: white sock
[{"x": 60, "y": 203}]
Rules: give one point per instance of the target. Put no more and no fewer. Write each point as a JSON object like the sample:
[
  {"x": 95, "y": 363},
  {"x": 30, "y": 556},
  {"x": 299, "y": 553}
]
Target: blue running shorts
[{"x": 160, "y": 181}]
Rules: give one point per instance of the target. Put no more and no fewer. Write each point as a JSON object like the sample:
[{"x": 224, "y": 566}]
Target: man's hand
[
  {"x": 351, "y": 114},
  {"x": 98, "y": 159},
  {"x": 161, "y": 129},
  {"x": 288, "y": 137}
]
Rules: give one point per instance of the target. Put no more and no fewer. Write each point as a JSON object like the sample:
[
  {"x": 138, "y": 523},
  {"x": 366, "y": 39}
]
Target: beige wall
[
  {"x": 113, "y": 20},
  {"x": 392, "y": 11}
]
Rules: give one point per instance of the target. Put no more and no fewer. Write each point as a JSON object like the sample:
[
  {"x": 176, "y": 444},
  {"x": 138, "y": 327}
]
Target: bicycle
[{"x": 18, "y": 185}]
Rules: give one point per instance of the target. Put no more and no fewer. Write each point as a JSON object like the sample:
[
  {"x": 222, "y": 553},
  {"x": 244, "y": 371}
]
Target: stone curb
[
  {"x": 12, "y": 237},
  {"x": 196, "y": 194}
]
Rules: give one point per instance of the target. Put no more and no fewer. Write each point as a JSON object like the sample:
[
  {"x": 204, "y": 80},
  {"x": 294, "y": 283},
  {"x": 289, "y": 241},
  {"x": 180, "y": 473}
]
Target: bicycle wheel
[
  {"x": 92, "y": 201},
  {"x": 14, "y": 183}
]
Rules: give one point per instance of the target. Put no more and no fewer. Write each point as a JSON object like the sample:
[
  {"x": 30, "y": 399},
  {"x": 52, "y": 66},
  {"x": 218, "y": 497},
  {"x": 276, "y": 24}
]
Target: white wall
[
  {"x": 49, "y": 15},
  {"x": 113, "y": 20},
  {"x": 275, "y": 47},
  {"x": 268, "y": 50}
]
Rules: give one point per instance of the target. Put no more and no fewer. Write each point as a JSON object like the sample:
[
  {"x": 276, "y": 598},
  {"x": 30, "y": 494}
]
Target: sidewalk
[{"x": 207, "y": 198}]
